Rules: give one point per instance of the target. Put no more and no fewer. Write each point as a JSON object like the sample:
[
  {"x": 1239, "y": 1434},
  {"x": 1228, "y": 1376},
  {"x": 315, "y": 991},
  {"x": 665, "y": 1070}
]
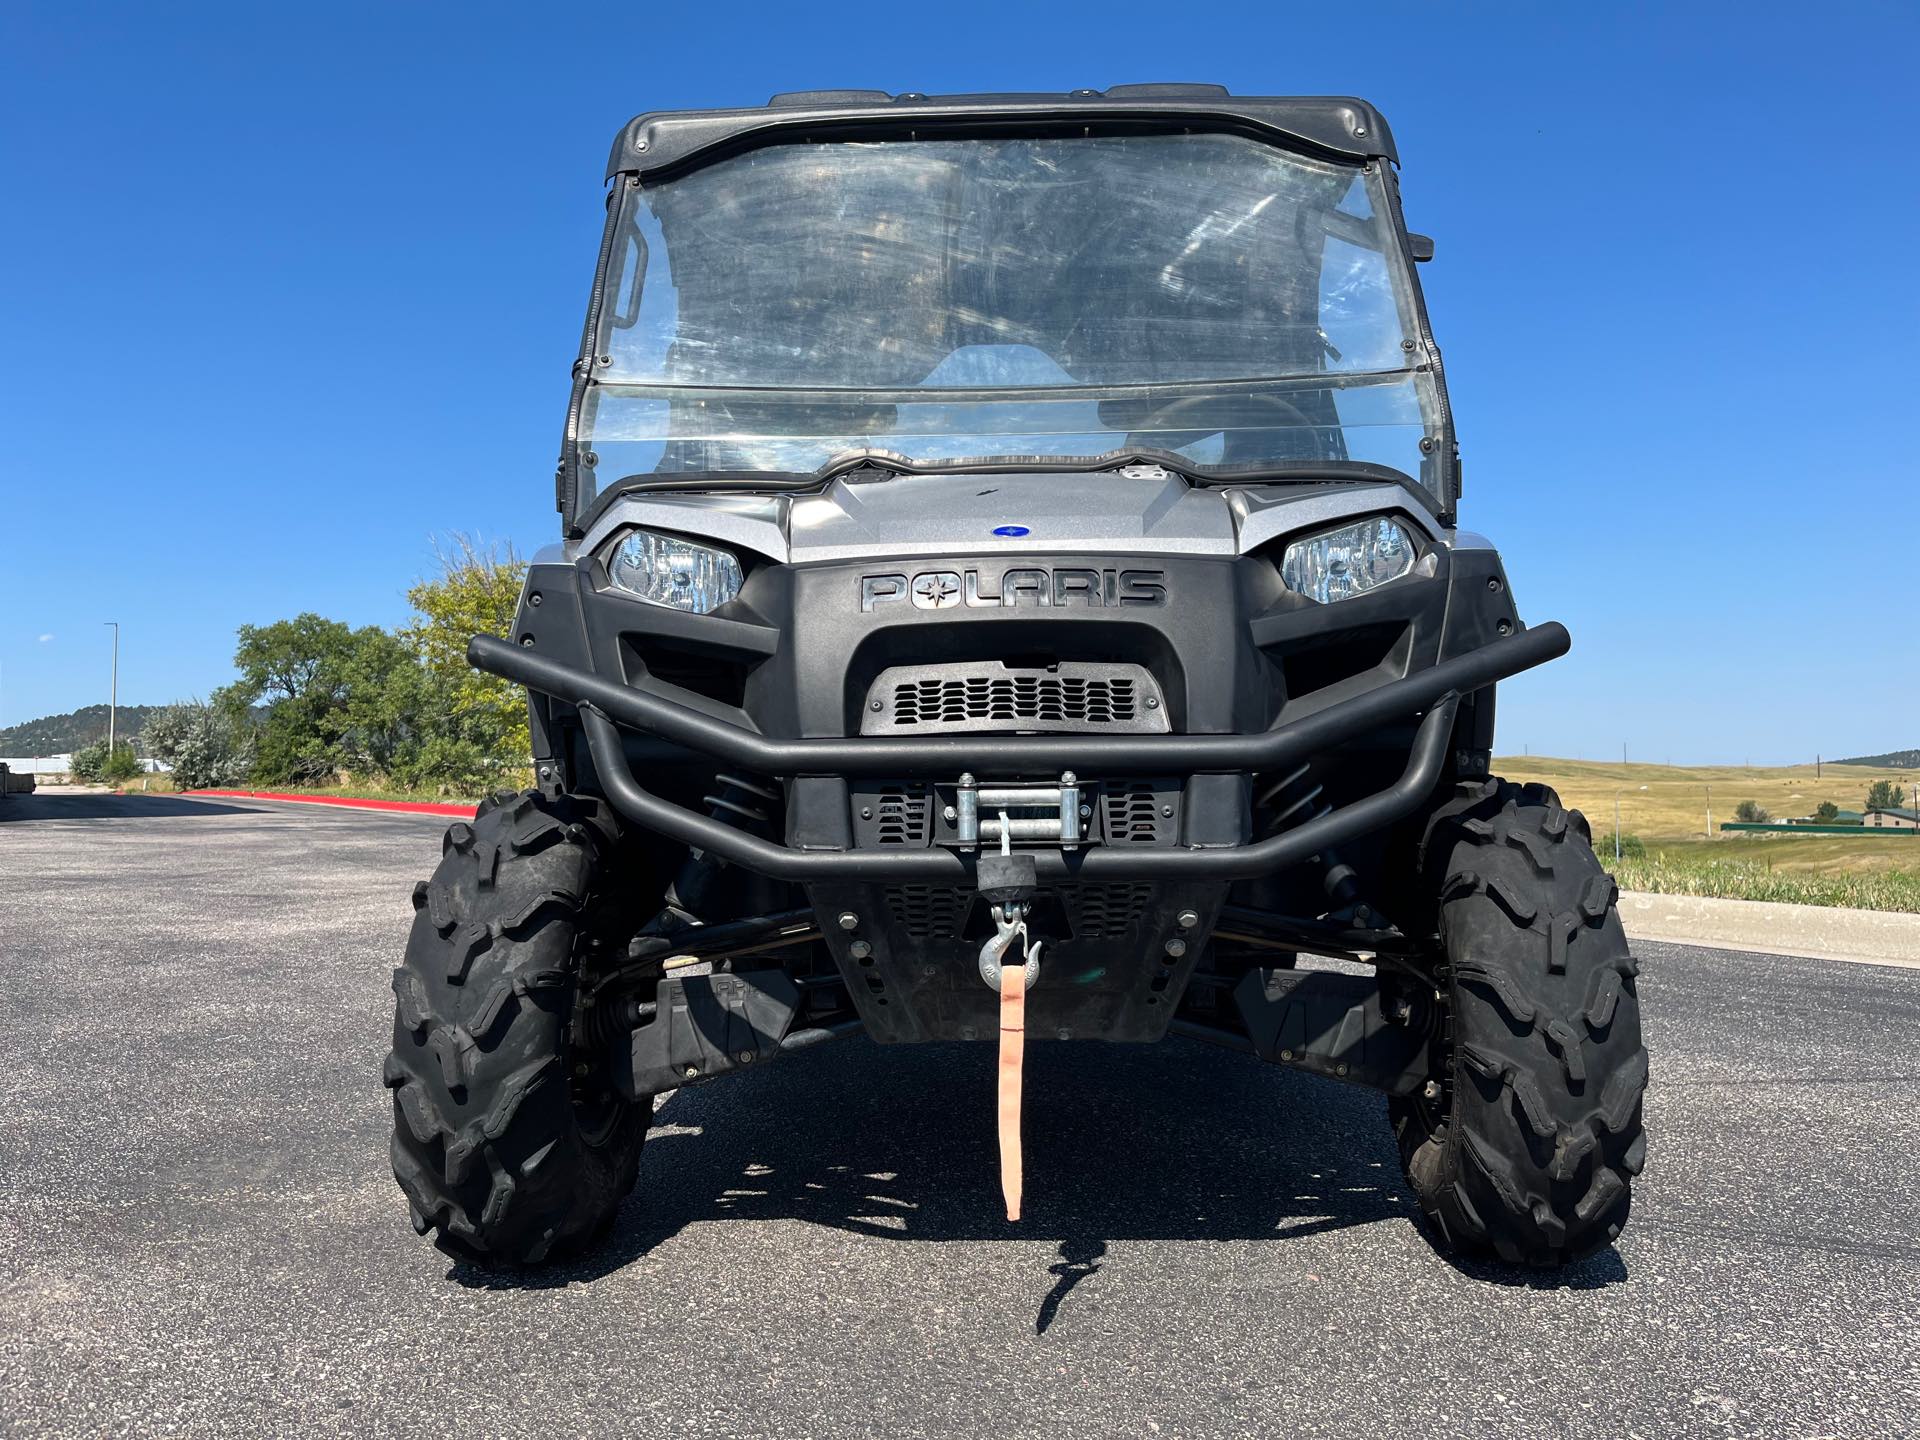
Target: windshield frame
[{"x": 1439, "y": 467}]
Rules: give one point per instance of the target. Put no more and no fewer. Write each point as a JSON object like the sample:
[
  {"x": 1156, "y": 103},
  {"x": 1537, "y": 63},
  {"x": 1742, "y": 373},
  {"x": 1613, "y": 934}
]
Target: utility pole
[
  {"x": 113, "y": 697},
  {"x": 1709, "y": 812}
]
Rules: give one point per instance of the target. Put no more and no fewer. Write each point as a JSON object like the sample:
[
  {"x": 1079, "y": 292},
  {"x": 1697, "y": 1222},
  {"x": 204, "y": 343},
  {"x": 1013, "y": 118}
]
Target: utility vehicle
[{"x": 1011, "y": 585}]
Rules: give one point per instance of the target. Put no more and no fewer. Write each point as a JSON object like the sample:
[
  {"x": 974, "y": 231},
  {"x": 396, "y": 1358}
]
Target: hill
[
  {"x": 63, "y": 734},
  {"x": 1893, "y": 759}
]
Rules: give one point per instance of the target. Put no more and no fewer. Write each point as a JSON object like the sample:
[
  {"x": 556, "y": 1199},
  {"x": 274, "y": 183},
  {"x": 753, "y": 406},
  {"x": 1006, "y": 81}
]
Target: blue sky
[{"x": 291, "y": 290}]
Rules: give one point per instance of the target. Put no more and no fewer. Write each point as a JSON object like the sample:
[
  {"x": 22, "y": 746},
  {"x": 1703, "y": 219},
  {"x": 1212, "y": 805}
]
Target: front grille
[
  {"x": 990, "y": 695},
  {"x": 1093, "y": 912},
  {"x": 1016, "y": 697},
  {"x": 910, "y": 814}
]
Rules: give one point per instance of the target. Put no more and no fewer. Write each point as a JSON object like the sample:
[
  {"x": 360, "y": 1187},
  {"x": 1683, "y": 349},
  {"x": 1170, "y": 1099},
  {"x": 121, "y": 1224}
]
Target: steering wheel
[{"x": 1172, "y": 411}]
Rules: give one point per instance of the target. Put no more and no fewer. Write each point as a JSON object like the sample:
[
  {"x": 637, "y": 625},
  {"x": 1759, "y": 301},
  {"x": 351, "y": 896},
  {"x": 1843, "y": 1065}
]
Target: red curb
[{"x": 409, "y": 807}]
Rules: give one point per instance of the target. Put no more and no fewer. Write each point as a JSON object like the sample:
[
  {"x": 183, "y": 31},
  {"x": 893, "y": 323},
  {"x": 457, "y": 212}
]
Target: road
[{"x": 199, "y": 1235}]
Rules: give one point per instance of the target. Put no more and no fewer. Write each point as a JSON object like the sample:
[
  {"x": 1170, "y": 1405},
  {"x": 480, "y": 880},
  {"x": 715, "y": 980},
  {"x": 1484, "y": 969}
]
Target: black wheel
[
  {"x": 1527, "y": 1138},
  {"x": 509, "y": 1145}
]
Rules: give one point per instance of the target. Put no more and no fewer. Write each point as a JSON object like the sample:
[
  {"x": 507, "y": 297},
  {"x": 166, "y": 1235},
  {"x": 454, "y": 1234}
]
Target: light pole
[{"x": 113, "y": 696}]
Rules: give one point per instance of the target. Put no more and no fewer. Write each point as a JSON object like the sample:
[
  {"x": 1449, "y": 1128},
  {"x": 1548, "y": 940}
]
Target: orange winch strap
[{"x": 1013, "y": 1045}]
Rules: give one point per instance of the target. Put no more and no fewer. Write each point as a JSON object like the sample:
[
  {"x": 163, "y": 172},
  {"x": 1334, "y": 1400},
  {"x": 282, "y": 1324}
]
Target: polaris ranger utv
[{"x": 1011, "y": 583}]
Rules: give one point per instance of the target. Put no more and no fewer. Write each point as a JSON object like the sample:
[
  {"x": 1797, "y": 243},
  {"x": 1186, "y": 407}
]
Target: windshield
[{"x": 1205, "y": 295}]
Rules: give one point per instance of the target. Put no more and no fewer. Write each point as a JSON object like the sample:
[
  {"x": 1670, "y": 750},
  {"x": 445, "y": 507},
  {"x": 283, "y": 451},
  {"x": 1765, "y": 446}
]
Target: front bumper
[{"x": 1434, "y": 693}]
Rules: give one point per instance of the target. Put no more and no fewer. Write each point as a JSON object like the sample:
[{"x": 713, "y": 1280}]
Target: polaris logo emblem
[
  {"x": 1028, "y": 586},
  {"x": 936, "y": 589}
]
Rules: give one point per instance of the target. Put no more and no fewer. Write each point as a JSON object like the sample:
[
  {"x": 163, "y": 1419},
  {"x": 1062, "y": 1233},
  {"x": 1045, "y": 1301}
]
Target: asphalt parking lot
[{"x": 199, "y": 1233}]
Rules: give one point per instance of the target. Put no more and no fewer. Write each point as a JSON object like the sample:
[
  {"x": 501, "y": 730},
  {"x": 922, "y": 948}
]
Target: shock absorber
[
  {"x": 1296, "y": 798},
  {"x": 746, "y": 802},
  {"x": 751, "y": 800}
]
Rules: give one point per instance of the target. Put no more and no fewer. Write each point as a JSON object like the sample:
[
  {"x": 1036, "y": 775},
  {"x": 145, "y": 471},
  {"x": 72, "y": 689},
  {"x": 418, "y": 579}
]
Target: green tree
[
  {"x": 1884, "y": 795},
  {"x": 386, "y": 709},
  {"x": 304, "y": 670},
  {"x": 481, "y": 725},
  {"x": 209, "y": 743},
  {"x": 1750, "y": 812},
  {"x": 1826, "y": 812}
]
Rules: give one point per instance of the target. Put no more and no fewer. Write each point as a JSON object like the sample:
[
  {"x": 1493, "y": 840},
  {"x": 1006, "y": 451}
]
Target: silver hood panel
[{"x": 1059, "y": 513}]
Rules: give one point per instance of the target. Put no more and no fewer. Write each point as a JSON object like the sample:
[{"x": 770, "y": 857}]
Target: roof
[
  {"x": 1898, "y": 811},
  {"x": 663, "y": 140}
]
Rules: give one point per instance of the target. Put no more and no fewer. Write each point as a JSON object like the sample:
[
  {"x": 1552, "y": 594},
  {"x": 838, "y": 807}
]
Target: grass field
[
  {"x": 1665, "y": 808},
  {"x": 1670, "y": 802}
]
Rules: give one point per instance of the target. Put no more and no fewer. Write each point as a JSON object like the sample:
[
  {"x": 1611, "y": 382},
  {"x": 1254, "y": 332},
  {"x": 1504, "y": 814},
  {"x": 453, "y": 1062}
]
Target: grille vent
[
  {"x": 1093, "y": 703},
  {"x": 900, "y": 817},
  {"x": 1095, "y": 912},
  {"x": 928, "y": 912},
  {"x": 1106, "y": 912},
  {"x": 989, "y": 695},
  {"x": 1132, "y": 813}
]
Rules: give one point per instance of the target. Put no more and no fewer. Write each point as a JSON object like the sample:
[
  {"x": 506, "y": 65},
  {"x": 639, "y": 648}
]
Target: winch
[{"x": 1018, "y": 812}]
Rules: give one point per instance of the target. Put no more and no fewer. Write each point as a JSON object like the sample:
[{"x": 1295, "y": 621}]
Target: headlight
[
  {"x": 1349, "y": 561},
  {"x": 666, "y": 570}
]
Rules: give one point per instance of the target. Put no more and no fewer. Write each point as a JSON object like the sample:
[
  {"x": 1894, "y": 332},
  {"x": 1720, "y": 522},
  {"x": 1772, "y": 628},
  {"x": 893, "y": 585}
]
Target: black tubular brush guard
[{"x": 605, "y": 706}]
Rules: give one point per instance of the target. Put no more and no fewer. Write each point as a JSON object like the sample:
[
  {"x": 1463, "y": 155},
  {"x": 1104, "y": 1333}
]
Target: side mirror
[{"x": 1420, "y": 246}]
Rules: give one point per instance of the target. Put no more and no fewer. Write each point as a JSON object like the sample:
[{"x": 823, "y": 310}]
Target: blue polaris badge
[{"x": 1010, "y": 531}]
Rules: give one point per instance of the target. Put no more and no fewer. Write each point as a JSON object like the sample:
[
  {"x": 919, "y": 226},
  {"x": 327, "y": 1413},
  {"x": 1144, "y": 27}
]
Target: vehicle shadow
[
  {"x": 51, "y": 805},
  {"x": 1177, "y": 1141}
]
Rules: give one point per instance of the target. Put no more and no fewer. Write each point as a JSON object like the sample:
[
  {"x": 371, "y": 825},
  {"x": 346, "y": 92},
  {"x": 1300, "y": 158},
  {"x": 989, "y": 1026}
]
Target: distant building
[
  {"x": 1892, "y": 817},
  {"x": 1843, "y": 817},
  {"x": 39, "y": 764},
  {"x": 63, "y": 764}
]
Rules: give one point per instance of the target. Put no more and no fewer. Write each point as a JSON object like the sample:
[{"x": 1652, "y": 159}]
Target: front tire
[
  {"x": 1525, "y": 1145},
  {"x": 507, "y": 1144}
]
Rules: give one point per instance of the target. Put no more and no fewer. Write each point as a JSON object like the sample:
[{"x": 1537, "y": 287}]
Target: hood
[{"x": 1148, "y": 513}]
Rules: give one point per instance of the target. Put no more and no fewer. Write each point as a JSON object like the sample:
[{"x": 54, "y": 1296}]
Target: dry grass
[
  {"x": 147, "y": 785},
  {"x": 1669, "y": 802},
  {"x": 1664, "y": 807}
]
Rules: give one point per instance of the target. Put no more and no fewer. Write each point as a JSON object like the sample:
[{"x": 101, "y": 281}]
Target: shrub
[
  {"x": 1632, "y": 847},
  {"x": 209, "y": 744},
  {"x": 1826, "y": 813},
  {"x": 121, "y": 764},
  {"x": 1749, "y": 812},
  {"x": 88, "y": 761}
]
